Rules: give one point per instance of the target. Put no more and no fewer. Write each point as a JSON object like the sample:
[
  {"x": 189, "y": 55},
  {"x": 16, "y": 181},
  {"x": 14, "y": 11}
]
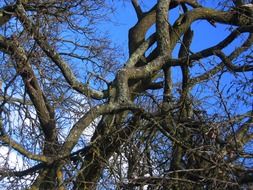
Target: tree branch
[
  {"x": 224, "y": 43},
  {"x": 85, "y": 121},
  {"x": 6, "y": 14},
  {"x": 162, "y": 28},
  {"x": 138, "y": 53},
  {"x": 230, "y": 66},
  {"x": 43, "y": 109},
  {"x": 207, "y": 14},
  {"x": 16, "y": 146},
  {"x": 137, "y": 8},
  {"x": 14, "y": 100},
  {"x": 55, "y": 57},
  {"x": 26, "y": 172},
  {"x": 19, "y": 148},
  {"x": 221, "y": 65}
]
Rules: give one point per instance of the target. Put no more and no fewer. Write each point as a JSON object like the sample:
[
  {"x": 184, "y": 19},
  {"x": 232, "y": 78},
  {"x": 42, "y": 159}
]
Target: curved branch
[
  {"x": 221, "y": 65},
  {"x": 224, "y": 43},
  {"x": 137, "y": 33},
  {"x": 188, "y": 18},
  {"x": 86, "y": 120},
  {"x": 163, "y": 61}
]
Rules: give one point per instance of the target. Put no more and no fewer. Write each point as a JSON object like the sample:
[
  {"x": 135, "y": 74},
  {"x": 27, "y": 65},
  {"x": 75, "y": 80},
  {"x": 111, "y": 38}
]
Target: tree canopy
[{"x": 175, "y": 115}]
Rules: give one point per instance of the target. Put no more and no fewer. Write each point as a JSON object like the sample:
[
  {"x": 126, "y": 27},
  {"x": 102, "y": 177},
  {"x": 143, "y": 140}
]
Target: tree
[{"x": 152, "y": 130}]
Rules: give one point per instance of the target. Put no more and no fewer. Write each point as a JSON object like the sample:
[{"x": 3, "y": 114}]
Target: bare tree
[{"x": 152, "y": 130}]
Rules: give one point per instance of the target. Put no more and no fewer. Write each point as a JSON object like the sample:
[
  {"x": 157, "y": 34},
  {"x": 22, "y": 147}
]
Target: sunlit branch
[
  {"x": 85, "y": 121},
  {"x": 138, "y": 53}
]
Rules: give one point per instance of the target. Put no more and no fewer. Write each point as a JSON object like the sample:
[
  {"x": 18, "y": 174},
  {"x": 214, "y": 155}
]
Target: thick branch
[
  {"x": 8, "y": 11},
  {"x": 138, "y": 53},
  {"x": 162, "y": 28},
  {"x": 163, "y": 40},
  {"x": 198, "y": 13},
  {"x": 137, "y": 33}
]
